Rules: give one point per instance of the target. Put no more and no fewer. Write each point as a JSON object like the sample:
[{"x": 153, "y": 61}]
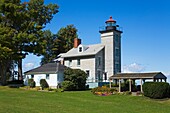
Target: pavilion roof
[{"x": 151, "y": 75}]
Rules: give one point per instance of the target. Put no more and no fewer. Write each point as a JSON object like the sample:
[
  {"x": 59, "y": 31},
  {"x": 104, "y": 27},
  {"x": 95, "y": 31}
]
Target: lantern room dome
[{"x": 110, "y": 20}]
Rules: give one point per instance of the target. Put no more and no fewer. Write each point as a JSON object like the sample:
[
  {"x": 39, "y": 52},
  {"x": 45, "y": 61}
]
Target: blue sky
[{"x": 145, "y": 23}]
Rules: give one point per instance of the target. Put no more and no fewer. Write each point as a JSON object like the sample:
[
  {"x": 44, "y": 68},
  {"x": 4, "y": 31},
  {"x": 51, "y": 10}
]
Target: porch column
[
  {"x": 165, "y": 80},
  {"x": 130, "y": 85},
  {"x": 119, "y": 85},
  {"x": 161, "y": 80},
  {"x": 110, "y": 83},
  {"x": 141, "y": 89}
]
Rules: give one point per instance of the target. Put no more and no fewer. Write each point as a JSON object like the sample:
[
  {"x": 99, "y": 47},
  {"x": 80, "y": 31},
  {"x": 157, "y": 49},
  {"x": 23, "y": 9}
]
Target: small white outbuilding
[{"x": 53, "y": 73}]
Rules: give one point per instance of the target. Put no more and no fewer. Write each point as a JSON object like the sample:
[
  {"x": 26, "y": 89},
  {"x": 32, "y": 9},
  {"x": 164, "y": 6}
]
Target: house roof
[
  {"x": 152, "y": 75},
  {"x": 89, "y": 50},
  {"x": 46, "y": 68}
]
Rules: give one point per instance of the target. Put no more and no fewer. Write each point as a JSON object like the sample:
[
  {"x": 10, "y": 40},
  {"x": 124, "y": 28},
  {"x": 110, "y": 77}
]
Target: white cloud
[
  {"x": 134, "y": 67},
  {"x": 167, "y": 74},
  {"x": 28, "y": 66}
]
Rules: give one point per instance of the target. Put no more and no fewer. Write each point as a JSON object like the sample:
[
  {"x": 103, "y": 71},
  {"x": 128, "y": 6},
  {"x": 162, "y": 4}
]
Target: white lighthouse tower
[{"x": 111, "y": 39}]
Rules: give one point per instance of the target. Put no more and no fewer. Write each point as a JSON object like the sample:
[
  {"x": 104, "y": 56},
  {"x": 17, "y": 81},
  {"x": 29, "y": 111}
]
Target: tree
[
  {"x": 62, "y": 42},
  {"x": 65, "y": 38},
  {"x": 25, "y": 21},
  {"x": 51, "y": 49},
  {"x": 75, "y": 78}
]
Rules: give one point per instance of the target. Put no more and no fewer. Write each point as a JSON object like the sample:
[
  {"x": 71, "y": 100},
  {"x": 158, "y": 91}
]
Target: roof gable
[
  {"x": 46, "y": 68},
  {"x": 89, "y": 50},
  {"x": 139, "y": 75}
]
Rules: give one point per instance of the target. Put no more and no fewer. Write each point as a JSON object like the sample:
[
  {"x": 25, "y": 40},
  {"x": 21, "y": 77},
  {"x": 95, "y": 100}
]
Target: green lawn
[{"x": 26, "y": 101}]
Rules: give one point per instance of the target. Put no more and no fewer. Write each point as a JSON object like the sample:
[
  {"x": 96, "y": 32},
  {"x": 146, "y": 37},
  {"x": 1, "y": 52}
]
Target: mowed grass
[{"x": 26, "y": 101}]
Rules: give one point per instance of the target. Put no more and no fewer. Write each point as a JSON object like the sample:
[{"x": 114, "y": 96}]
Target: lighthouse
[{"x": 111, "y": 39}]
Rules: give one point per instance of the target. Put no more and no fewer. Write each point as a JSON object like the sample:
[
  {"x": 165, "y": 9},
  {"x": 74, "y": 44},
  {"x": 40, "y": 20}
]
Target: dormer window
[{"x": 80, "y": 49}]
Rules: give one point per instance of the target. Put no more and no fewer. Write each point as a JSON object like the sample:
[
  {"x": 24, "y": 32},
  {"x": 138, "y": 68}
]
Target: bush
[
  {"x": 156, "y": 90},
  {"x": 16, "y": 82},
  {"x": 76, "y": 77},
  {"x": 68, "y": 85},
  {"x": 43, "y": 83},
  {"x": 31, "y": 83},
  {"x": 102, "y": 90}
]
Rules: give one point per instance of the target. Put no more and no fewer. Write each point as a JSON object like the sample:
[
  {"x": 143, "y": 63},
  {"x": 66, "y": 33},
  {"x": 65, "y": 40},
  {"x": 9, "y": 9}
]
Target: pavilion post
[
  {"x": 141, "y": 88},
  {"x": 119, "y": 85},
  {"x": 130, "y": 85},
  {"x": 165, "y": 80},
  {"x": 110, "y": 84}
]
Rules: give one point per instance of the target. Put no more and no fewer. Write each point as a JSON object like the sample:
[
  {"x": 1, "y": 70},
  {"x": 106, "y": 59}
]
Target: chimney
[{"x": 77, "y": 42}]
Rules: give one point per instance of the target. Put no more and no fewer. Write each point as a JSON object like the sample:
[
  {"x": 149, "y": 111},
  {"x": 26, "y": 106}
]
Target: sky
[{"x": 145, "y": 23}]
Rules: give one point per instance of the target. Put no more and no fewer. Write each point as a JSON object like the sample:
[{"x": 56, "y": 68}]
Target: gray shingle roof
[
  {"x": 139, "y": 75},
  {"x": 46, "y": 68},
  {"x": 90, "y": 50}
]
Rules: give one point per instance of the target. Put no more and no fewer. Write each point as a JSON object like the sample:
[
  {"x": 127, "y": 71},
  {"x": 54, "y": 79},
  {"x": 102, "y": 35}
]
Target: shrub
[
  {"x": 156, "y": 90},
  {"x": 16, "y": 82},
  {"x": 68, "y": 85},
  {"x": 102, "y": 90},
  {"x": 76, "y": 77},
  {"x": 31, "y": 83},
  {"x": 43, "y": 83}
]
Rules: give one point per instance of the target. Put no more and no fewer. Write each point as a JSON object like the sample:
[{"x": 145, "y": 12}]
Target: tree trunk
[
  {"x": 20, "y": 77},
  {"x": 3, "y": 70}
]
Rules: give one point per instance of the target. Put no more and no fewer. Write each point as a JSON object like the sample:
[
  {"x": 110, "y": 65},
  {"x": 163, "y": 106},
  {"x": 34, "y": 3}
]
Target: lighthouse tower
[{"x": 111, "y": 39}]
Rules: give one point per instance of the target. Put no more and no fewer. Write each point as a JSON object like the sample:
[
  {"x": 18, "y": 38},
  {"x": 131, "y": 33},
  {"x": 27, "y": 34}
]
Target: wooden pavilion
[{"x": 155, "y": 76}]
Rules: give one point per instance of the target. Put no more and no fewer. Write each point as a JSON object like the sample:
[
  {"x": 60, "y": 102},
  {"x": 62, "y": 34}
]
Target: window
[
  {"x": 117, "y": 52},
  {"x": 80, "y": 49},
  {"x": 70, "y": 63},
  {"x": 88, "y": 73},
  {"x": 98, "y": 61},
  {"x": 78, "y": 62},
  {"x": 99, "y": 76},
  {"x": 32, "y": 76},
  {"x": 47, "y": 76}
]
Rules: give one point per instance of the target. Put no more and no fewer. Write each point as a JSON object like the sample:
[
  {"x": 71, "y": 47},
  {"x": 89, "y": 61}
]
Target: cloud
[
  {"x": 28, "y": 66},
  {"x": 167, "y": 74},
  {"x": 134, "y": 67}
]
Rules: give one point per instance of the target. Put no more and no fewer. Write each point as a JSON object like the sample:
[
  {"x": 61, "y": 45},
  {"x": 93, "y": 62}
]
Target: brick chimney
[{"x": 77, "y": 42}]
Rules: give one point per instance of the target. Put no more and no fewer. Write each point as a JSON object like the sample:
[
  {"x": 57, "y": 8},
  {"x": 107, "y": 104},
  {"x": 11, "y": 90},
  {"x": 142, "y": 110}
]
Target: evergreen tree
[
  {"x": 62, "y": 42},
  {"x": 22, "y": 25}
]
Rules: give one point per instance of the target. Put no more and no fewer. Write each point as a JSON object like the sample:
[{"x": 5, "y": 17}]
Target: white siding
[
  {"x": 85, "y": 64},
  {"x": 53, "y": 80}
]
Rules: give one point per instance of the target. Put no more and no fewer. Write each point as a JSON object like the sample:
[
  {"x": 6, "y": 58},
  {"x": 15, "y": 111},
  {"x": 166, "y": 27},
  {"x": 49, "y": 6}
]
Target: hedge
[
  {"x": 43, "y": 83},
  {"x": 156, "y": 90},
  {"x": 31, "y": 83}
]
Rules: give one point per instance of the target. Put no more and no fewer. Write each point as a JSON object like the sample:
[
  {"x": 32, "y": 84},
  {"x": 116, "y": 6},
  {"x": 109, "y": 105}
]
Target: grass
[{"x": 26, "y": 101}]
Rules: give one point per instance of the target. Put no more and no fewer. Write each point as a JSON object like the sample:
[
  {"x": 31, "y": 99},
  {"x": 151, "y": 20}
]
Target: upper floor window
[
  {"x": 70, "y": 63},
  {"x": 117, "y": 52},
  {"x": 98, "y": 61},
  {"x": 80, "y": 49},
  {"x": 88, "y": 73},
  {"x": 78, "y": 62}
]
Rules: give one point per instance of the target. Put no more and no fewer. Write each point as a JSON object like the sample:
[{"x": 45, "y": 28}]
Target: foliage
[
  {"x": 125, "y": 86},
  {"x": 68, "y": 85},
  {"x": 58, "y": 43},
  {"x": 16, "y": 82},
  {"x": 43, "y": 83},
  {"x": 156, "y": 90},
  {"x": 103, "y": 91},
  {"x": 51, "y": 49},
  {"x": 21, "y": 30},
  {"x": 76, "y": 77},
  {"x": 76, "y": 102},
  {"x": 31, "y": 83}
]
